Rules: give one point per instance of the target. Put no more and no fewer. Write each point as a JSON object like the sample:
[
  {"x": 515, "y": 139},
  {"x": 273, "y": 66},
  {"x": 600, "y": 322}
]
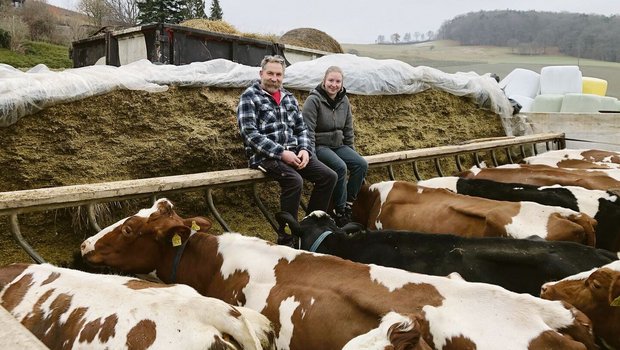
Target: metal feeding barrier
[{"x": 15, "y": 203}]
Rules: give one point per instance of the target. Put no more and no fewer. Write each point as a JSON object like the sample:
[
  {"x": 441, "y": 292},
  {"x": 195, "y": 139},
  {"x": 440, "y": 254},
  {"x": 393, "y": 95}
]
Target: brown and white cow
[
  {"x": 543, "y": 175},
  {"x": 568, "y": 163},
  {"x": 319, "y": 301},
  {"x": 70, "y": 309},
  {"x": 597, "y": 294},
  {"x": 588, "y": 155},
  {"x": 400, "y": 205}
]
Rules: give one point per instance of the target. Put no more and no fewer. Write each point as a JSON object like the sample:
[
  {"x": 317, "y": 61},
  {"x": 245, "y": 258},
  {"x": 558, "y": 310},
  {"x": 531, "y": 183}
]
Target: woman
[{"x": 327, "y": 114}]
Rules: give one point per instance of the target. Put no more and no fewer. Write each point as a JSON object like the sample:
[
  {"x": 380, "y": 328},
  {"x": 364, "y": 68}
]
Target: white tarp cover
[{"x": 24, "y": 93}]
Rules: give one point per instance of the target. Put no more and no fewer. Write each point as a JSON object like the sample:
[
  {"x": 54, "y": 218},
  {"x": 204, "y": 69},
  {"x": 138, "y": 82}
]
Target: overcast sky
[{"x": 362, "y": 21}]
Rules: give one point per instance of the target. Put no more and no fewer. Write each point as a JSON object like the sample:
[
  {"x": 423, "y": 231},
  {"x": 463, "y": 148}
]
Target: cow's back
[
  {"x": 72, "y": 309},
  {"x": 542, "y": 175}
]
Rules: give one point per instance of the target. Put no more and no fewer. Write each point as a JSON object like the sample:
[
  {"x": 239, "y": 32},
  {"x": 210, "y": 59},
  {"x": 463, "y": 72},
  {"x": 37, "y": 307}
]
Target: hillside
[{"x": 451, "y": 57}]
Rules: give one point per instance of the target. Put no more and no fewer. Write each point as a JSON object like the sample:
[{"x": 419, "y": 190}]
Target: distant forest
[{"x": 531, "y": 32}]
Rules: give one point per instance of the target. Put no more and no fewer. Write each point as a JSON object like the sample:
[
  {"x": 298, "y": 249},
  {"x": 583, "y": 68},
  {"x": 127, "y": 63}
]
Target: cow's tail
[{"x": 258, "y": 329}]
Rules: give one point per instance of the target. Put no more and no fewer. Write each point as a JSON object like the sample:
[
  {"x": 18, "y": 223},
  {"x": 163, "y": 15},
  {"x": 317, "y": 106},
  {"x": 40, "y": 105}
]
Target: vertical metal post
[
  {"x": 459, "y": 166},
  {"x": 92, "y": 218},
  {"x": 438, "y": 167},
  {"x": 263, "y": 208},
  {"x": 509, "y": 155},
  {"x": 22, "y": 242},
  {"x": 416, "y": 172},
  {"x": 494, "y": 158},
  {"x": 214, "y": 211},
  {"x": 391, "y": 172}
]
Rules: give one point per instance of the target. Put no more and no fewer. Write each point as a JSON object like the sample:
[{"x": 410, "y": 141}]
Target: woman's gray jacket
[{"x": 327, "y": 126}]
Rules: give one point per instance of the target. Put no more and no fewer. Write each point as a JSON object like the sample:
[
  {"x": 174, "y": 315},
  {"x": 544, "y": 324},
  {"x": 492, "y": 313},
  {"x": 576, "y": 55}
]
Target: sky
[{"x": 362, "y": 21}]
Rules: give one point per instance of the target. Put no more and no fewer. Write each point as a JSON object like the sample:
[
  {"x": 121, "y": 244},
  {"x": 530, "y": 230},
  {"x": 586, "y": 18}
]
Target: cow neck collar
[
  {"x": 177, "y": 257},
  {"x": 319, "y": 240}
]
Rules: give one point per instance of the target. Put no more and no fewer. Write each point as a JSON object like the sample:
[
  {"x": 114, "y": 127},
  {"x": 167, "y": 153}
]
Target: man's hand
[
  {"x": 291, "y": 159},
  {"x": 304, "y": 158}
]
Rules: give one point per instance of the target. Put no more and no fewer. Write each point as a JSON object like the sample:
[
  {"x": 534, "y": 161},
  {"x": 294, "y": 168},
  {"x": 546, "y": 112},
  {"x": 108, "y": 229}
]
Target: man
[{"x": 276, "y": 142}]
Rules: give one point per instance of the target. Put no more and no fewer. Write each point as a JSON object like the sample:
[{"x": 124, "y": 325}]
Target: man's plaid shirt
[{"x": 268, "y": 129}]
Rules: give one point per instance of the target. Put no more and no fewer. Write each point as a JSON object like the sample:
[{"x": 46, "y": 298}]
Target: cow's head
[
  {"x": 136, "y": 244},
  {"x": 314, "y": 228},
  {"x": 597, "y": 294}
]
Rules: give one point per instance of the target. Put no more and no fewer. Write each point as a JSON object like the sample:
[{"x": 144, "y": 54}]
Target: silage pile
[{"x": 136, "y": 134}]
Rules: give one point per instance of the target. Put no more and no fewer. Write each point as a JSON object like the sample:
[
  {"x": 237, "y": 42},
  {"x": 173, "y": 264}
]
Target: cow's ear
[
  {"x": 175, "y": 235},
  {"x": 127, "y": 231},
  {"x": 198, "y": 223},
  {"x": 165, "y": 208}
]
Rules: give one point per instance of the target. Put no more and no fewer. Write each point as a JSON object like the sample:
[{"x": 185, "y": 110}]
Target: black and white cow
[
  {"x": 604, "y": 206},
  {"x": 519, "y": 265}
]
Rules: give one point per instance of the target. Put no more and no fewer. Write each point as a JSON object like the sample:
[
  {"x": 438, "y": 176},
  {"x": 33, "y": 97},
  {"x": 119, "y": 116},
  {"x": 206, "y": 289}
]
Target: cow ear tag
[
  {"x": 616, "y": 302},
  {"x": 287, "y": 230},
  {"x": 195, "y": 226},
  {"x": 176, "y": 240}
]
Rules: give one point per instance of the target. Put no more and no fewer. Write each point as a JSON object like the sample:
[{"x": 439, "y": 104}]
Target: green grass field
[
  {"x": 449, "y": 57},
  {"x": 53, "y": 56}
]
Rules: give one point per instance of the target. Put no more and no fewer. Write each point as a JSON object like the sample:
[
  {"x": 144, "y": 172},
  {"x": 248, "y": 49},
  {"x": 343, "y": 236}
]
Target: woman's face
[{"x": 332, "y": 83}]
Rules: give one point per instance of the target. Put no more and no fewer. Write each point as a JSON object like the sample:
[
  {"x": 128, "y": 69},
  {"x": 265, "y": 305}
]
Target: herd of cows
[{"x": 513, "y": 257}]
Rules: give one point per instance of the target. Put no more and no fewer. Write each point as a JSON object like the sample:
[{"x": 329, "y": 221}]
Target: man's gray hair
[{"x": 273, "y": 59}]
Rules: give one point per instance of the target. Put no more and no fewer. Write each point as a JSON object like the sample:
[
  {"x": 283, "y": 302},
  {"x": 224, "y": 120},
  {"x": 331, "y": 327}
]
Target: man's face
[{"x": 271, "y": 77}]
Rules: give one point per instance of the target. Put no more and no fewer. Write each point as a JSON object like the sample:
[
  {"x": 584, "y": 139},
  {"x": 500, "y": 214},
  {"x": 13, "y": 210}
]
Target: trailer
[{"x": 165, "y": 43}]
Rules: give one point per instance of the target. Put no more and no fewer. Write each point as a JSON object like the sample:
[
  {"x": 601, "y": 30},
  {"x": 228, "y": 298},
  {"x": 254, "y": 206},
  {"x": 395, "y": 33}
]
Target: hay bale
[
  {"x": 225, "y": 28},
  {"x": 311, "y": 38},
  {"x": 212, "y": 26}
]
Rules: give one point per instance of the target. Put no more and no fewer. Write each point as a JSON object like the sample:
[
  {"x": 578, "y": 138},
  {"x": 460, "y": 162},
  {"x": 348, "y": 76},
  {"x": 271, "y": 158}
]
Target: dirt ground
[{"x": 134, "y": 134}]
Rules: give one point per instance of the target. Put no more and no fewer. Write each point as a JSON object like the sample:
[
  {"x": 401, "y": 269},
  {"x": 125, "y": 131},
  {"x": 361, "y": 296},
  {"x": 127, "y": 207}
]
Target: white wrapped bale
[
  {"x": 581, "y": 103},
  {"x": 547, "y": 103},
  {"x": 608, "y": 103},
  {"x": 521, "y": 82},
  {"x": 560, "y": 80}
]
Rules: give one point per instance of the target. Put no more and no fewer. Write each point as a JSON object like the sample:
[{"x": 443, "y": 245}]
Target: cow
[
  {"x": 400, "y": 205},
  {"x": 520, "y": 265},
  {"x": 589, "y": 155},
  {"x": 71, "y": 309},
  {"x": 603, "y": 206},
  {"x": 597, "y": 294},
  {"x": 318, "y": 301},
  {"x": 568, "y": 163},
  {"x": 543, "y": 175}
]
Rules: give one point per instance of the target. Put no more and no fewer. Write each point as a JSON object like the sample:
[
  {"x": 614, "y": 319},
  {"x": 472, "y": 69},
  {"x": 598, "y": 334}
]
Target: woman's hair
[{"x": 333, "y": 69}]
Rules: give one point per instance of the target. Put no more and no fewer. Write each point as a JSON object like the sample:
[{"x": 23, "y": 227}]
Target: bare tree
[
  {"x": 407, "y": 37},
  {"x": 430, "y": 35},
  {"x": 18, "y": 30},
  {"x": 124, "y": 11},
  {"x": 395, "y": 38},
  {"x": 41, "y": 22},
  {"x": 96, "y": 10},
  {"x": 381, "y": 39}
]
